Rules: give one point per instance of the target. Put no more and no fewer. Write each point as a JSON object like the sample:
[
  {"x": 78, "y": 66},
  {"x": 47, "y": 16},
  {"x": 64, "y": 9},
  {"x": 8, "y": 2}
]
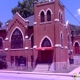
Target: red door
[{"x": 46, "y": 56}]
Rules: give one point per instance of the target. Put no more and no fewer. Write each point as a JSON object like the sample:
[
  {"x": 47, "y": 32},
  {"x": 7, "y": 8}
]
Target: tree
[
  {"x": 3, "y": 62},
  {"x": 25, "y": 8},
  {"x": 8, "y": 21},
  {"x": 0, "y": 24},
  {"x": 75, "y": 30}
]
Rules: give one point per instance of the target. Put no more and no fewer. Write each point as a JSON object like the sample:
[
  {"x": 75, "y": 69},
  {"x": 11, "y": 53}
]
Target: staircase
[{"x": 41, "y": 68}]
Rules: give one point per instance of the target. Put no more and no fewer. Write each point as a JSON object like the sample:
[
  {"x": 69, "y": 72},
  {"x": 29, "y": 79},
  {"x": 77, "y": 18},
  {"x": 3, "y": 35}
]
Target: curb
[{"x": 37, "y": 73}]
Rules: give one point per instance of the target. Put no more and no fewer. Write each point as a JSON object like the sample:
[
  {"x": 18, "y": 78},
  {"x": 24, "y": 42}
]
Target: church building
[{"x": 43, "y": 38}]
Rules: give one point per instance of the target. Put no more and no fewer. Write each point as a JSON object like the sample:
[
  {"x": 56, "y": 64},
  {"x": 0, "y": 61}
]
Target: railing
[{"x": 49, "y": 63}]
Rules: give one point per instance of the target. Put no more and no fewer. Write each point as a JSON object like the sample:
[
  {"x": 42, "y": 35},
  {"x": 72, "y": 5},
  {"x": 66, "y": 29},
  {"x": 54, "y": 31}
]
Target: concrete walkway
[
  {"x": 71, "y": 74},
  {"x": 75, "y": 71}
]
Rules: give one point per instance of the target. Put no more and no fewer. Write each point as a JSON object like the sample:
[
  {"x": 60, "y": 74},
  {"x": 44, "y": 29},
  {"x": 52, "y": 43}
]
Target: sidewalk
[
  {"x": 36, "y": 73},
  {"x": 76, "y": 70},
  {"x": 71, "y": 74}
]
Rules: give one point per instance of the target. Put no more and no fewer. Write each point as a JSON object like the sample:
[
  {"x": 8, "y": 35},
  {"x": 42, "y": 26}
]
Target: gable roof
[
  {"x": 2, "y": 28},
  {"x": 31, "y": 20}
]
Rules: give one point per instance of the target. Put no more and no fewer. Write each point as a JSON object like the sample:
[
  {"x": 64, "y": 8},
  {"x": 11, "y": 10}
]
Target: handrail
[{"x": 49, "y": 63}]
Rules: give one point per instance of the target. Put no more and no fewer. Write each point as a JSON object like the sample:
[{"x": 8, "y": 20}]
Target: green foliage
[
  {"x": 8, "y": 21},
  {"x": 24, "y": 8},
  {"x": 75, "y": 30},
  {"x": 0, "y": 24},
  {"x": 3, "y": 62}
]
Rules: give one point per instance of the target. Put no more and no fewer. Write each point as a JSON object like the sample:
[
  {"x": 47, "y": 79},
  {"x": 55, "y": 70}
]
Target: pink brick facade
[{"x": 50, "y": 37}]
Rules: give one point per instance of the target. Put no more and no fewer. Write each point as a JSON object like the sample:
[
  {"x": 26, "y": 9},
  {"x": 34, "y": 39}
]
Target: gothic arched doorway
[
  {"x": 45, "y": 52},
  {"x": 76, "y": 48}
]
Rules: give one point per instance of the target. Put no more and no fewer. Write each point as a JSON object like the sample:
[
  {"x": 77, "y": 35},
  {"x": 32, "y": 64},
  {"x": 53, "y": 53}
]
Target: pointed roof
[{"x": 31, "y": 20}]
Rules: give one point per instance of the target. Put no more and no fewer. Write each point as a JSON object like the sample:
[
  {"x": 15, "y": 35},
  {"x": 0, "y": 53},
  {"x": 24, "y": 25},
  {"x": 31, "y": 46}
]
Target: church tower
[{"x": 50, "y": 38}]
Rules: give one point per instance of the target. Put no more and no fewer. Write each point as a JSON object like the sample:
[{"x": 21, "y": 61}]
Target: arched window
[
  {"x": 48, "y": 15},
  {"x": 68, "y": 42},
  {"x": 16, "y": 39},
  {"x": 46, "y": 43},
  {"x": 76, "y": 48},
  {"x": 42, "y": 17},
  {"x": 32, "y": 41},
  {"x": 59, "y": 16},
  {"x": 61, "y": 19},
  {"x": 1, "y": 43},
  {"x": 61, "y": 39}
]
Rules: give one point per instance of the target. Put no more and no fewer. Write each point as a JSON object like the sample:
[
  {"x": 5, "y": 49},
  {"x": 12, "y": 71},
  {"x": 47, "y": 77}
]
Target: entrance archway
[
  {"x": 76, "y": 48},
  {"x": 45, "y": 52}
]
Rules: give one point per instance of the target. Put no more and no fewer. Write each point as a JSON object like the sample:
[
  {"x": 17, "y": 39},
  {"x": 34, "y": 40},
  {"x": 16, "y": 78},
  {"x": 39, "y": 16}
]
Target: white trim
[
  {"x": 34, "y": 46},
  {"x": 59, "y": 14},
  {"x": 67, "y": 22},
  {"x": 49, "y": 10},
  {"x": 35, "y": 23},
  {"x": 47, "y": 38},
  {"x": 14, "y": 30},
  {"x": 56, "y": 20},
  {"x": 21, "y": 17},
  {"x": 17, "y": 49},
  {"x": 6, "y": 49},
  {"x": 26, "y": 48},
  {"x": 57, "y": 45},
  {"x": 62, "y": 34},
  {"x": 6, "y": 38},
  {"x": 31, "y": 36},
  {"x": 75, "y": 42},
  {"x": 26, "y": 37},
  {"x": 41, "y": 11}
]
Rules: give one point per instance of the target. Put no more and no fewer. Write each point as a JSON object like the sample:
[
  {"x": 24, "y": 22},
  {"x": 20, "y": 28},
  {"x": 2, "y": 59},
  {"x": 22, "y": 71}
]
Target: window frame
[{"x": 16, "y": 39}]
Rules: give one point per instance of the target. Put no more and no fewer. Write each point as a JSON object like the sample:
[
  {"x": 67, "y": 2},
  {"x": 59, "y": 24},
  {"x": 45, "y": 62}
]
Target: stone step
[{"x": 41, "y": 68}]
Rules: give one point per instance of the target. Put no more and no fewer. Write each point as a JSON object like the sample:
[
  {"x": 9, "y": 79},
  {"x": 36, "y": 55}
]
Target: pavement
[{"x": 76, "y": 71}]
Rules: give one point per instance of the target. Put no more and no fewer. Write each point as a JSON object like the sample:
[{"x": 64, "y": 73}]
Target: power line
[{"x": 71, "y": 13}]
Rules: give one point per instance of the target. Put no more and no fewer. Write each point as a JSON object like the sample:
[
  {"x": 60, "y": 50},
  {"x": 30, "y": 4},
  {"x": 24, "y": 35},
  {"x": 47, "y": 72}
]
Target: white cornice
[
  {"x": 6, "y": 39},
  {"x": 6, "y": 49},
  {"x": 22, "y": 17},
  {"x": 35, "y": 23},
  {"x": 34, "y": 46},
  {"x": 26, "y": 48},
  {"x": 57, "y": 45},
  {"x": 56, "y": 20},
  {"x": 26, "y": 37}
]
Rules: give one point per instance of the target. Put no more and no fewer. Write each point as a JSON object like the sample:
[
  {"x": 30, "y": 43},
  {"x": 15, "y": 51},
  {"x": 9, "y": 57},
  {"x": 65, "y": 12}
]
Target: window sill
[
  {"x": 17, "y": 49},
  {"x": 47, "y": 22}
]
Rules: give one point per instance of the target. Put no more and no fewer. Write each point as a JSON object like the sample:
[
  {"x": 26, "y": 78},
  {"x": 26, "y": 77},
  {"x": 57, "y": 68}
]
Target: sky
[{"x": 73, "y": 7}]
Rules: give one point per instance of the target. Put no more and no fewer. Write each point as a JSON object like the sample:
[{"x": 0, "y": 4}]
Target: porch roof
[{"x": 44, "y": 48}]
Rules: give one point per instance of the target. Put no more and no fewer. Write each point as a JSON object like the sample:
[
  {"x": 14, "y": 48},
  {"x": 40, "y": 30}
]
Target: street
[{"x": 16, "y": 76}]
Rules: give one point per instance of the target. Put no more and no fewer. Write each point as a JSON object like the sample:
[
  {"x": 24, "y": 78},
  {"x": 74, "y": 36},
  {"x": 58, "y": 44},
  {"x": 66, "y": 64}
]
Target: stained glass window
[
  {"x": 46, "y": 43},
  {"x": 76, "y": 48},
  {"x": 42, "y": 17},
  {"x": 16, "y": 39},
  {"x": 48, "y": 15},
  {"x": 1, "y": 44}
]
